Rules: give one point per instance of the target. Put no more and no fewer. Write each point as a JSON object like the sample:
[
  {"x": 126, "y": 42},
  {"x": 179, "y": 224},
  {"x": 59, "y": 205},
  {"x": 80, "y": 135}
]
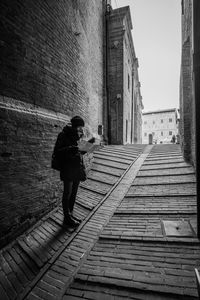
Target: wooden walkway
[{"x": 137, "y": 239}]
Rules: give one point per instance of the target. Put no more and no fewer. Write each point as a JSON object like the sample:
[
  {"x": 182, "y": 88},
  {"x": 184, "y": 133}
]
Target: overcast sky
[{"x": 157, "y": 40}]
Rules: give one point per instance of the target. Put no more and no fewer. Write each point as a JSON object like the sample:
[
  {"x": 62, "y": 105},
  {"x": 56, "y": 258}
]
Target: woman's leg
[
  {"x": 67, "y": 193},
  {"x": 66, "y": 197},
  {"x": 73, "y": 195}
]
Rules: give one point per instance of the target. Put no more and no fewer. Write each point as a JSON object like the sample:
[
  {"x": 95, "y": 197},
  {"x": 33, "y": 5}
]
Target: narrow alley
[
  {"x": 74, "y": 73},
  {"x": 137, "y": 239}
]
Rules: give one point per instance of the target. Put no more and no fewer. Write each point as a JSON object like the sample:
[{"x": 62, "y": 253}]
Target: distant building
[
  {"x": 125, "y": 101},
  {"x": 160, "y": 126}
]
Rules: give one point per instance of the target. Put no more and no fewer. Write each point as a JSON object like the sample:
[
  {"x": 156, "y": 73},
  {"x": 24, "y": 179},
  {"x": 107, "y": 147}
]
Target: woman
[{"x": 71, "y": 166}]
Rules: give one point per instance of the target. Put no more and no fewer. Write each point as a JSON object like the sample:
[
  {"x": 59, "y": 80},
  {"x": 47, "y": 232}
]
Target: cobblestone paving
[
  {"x": 122, "y": 249},
  {"x": 134, "y": 254}
]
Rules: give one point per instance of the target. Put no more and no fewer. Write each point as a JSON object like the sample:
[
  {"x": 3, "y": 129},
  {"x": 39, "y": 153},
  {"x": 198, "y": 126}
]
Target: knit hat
[{"x": 77, "y": 121}]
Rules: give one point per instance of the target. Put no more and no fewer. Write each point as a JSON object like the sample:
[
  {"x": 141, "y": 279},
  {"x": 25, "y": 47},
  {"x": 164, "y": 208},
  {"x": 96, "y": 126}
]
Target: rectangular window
[
  {"x": 170, "y": 132},
  {"x": 170, "y": 120},
  {"x": 128, "y": 82},
  {"x": 182, "y": 6},
  {"x": 126, "y": 130},
  {"x": 161, "y": 120},
  {"x": 153, "y": 133},
  {"x": 145, "y": 134},
  {"x": 153, "y": 122},
  {"x": 145, "y": 122},
  {"x": 162, "y": 133}
]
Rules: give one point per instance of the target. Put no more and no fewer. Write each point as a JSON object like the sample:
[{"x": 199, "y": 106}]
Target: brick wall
[
  {"x": 51, "y": 59},
  {"x": 187, "y": 103},
  {"x": 196, "y": 68}
]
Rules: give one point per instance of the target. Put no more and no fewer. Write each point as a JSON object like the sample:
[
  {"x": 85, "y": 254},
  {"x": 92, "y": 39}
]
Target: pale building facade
[{"x": 160, "y": 126}]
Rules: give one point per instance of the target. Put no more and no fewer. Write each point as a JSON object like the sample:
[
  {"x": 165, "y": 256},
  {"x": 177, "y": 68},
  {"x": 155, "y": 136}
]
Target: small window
[
  {"x": 170, "y": 132},
  {"x": 128, "y": 82},
  {"x": 153, "y": 133},
  {"x": 153, "y": 122},
  {"x": 182, "y": 6},
  {"x": 170, "y": 120},
  {"x": 145, "y": 134},
  {"x": 161, "y": 120},
  {"x": 161, "y": 133},
  {"x": 145, "y": 122},
  {"x": 126, "y": 130}
]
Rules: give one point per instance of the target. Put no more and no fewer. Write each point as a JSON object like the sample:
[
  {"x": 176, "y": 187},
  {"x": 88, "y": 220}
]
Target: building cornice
[{"x": 160, "y": 111}]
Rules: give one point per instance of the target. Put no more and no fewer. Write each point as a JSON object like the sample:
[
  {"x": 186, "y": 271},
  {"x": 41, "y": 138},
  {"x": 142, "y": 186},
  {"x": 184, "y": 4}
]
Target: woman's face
[{"x": 80, "y": 131}]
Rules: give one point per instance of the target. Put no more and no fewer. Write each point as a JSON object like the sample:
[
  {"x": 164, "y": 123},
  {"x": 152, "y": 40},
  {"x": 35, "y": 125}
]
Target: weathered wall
[
  {"x": 115, "y": 78},
  {"x": 187, "y": 103},
  {"x": 128, "y": 99},
  {"x": 196, "y": 68},
  {"x": 138, "y": 106},
  {"x": 138, "y": 116},
  {"x": 51, "y": 62}
]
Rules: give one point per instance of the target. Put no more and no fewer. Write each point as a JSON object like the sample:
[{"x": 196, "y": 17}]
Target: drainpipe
[
  {"x": 107, "y": 14},
  {"x": 132, "y": 107}
]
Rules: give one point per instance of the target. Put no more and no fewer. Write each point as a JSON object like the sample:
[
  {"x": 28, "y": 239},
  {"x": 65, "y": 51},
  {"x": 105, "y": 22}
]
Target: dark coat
[{"x": 70, "y": 159}]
